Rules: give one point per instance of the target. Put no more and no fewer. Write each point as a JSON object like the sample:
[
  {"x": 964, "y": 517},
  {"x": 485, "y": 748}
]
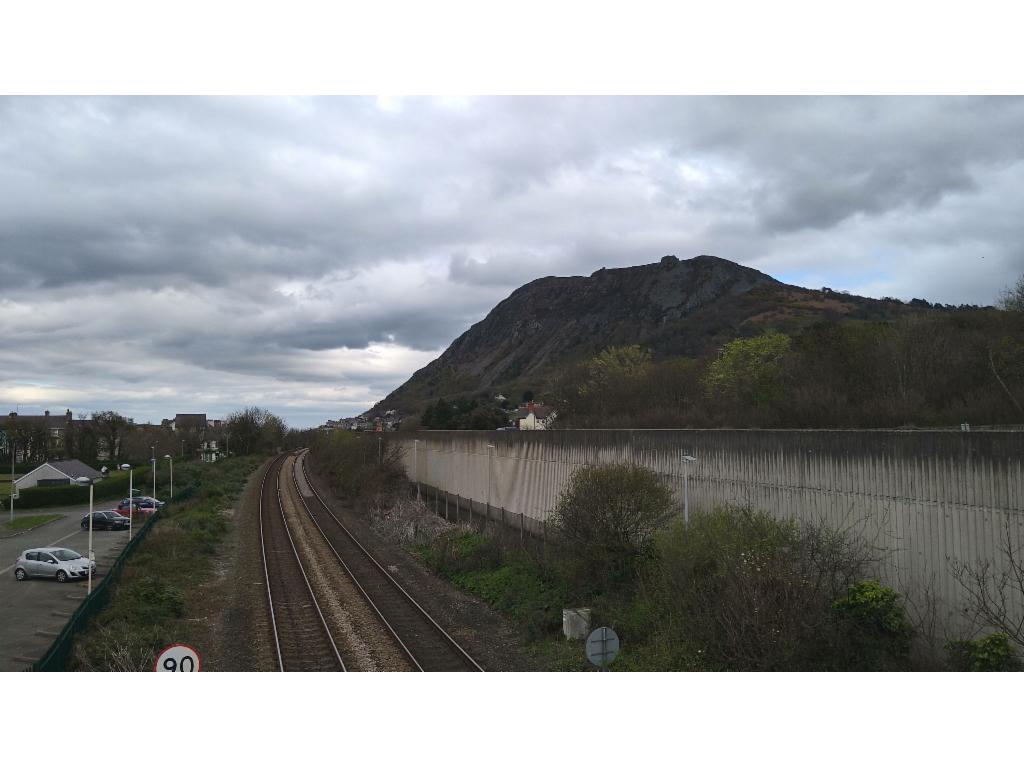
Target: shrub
[
  {"x": 739, "y": 589},
  {"x": 149, "y": 600},
  {"x": 456, "y": 552},
  {"x": 872, "y": 626},
  {"x": 606, "y": 518},
  {"x": 993, "y": 653}
]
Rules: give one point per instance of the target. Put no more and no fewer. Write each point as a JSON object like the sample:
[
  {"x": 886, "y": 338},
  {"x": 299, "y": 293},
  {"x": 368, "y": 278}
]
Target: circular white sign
[
  {"x": 177, "y": 658},
  {"x": 602, "y": 646}
]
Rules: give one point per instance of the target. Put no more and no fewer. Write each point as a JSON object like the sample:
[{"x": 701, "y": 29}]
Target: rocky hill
[{"x": 673, "y": 307}]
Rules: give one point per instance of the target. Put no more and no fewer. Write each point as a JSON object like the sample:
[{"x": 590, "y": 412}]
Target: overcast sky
[{"x": 308, "y": 255}]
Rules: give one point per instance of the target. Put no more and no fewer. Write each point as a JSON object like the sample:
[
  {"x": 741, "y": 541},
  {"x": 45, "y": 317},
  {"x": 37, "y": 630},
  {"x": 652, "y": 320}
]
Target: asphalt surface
[{"x": 33, "y": 612}]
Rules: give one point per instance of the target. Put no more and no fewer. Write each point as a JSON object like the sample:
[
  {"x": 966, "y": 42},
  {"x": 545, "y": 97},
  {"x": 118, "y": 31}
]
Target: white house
[
  {"x": 536, "y": 416},
  {"x": 209, "y": 452},
  {"x": 56, "y": 473}
]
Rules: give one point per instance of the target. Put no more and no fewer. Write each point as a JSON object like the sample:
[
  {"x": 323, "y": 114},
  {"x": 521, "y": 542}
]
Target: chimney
[
  {"x": 46, "y": 414},
  {"x": 529, "y": 407},
  {"x": 67, "y": 415}
]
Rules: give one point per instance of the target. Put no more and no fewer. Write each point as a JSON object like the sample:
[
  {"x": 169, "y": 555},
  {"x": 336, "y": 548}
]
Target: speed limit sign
[{"x": 177, "y": 658}]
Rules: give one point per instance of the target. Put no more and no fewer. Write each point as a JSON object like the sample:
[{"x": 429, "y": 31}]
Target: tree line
[
  {"x": 111, "y": 437},
  {"x": 939, "y": 368}
]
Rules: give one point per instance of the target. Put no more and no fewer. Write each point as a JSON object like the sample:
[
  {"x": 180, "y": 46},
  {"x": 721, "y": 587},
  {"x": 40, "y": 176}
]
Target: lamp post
[
  {"x": 171, "y": 459},
  {"x": 489, "y": 445},
  {"x": 10, "y": 445},
  {"x": 88, "y": 481},
  {"x": 416, "y": 466},
  {"x": 687, "y": 461},
  {"x": 152, "y": 463},
  {"x": 131, "y": 498}
]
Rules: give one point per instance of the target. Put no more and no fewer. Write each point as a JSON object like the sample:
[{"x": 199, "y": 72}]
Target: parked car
[
  {"x": 108, "y": 520},
  {"x": 122, "y": 508},
  {"x": 145, "y": 506},
  {"x": 142, "y": 499},
  {"x": 52, "y": 562}
]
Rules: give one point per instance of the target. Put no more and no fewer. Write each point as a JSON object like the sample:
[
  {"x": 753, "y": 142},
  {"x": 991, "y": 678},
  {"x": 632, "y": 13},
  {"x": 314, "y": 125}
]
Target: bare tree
[
  {"x": 110, "y": 426},
  {"x": 997, "y": 596},
  {"x": 255, "y": 428},
  {"x": 1012, "y": 299}
]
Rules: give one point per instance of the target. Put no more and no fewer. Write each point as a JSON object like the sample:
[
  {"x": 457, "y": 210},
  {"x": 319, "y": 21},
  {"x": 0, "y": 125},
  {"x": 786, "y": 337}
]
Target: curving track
[
  {"x": 427, "y": 645},
  {"x": 302, "y": 639}
]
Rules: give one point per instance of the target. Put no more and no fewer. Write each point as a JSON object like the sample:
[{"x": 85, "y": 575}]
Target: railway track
[
  {"x": 302, "y": 639},
  {"x": 426, "y": 644}
]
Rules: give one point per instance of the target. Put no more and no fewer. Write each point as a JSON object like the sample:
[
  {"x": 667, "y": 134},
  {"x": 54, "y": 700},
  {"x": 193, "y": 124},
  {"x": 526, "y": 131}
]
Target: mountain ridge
[{"x": 673, "y": 307}]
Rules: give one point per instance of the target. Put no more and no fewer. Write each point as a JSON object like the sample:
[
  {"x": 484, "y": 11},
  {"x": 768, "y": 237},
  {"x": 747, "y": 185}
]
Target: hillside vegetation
[
  {"x": 709, "y": 343},
  {"x": 937, "y": 369}
]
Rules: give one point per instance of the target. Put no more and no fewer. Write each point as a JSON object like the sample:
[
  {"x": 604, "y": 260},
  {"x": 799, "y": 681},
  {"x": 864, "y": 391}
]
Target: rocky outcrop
[{"x": 673, "y": 307}]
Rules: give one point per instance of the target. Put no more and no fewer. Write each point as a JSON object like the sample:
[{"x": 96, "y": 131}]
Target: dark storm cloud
[{"x": 319, "y": 250}]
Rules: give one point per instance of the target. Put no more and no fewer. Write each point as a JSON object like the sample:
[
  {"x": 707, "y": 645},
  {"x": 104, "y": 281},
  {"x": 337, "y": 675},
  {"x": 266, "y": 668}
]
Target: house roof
[
  {"x": 540, "y": 411},
  {"x": 72, "y": 469},
  {"x": 190, "y": 421}
]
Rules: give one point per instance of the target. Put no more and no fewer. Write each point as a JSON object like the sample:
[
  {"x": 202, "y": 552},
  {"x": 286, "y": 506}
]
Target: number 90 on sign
[{"x": 177, "y": 658}]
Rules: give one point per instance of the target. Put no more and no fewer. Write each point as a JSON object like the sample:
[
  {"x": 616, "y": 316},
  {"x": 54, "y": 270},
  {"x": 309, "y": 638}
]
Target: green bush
[
  {"x": 149, "y": 600},
  {"x": 455, "y": 553},
  {"x": 606, "y": 519},
  {"x": 993, "y": 653},
  {"x": 874, "y": 630},
  {"x": 740, "y": 589}
]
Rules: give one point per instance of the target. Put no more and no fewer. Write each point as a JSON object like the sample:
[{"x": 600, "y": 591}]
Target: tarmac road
[{"x": 33, "y": 612}]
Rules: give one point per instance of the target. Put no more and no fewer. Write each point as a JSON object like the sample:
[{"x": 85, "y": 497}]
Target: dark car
[{"x": 106, "y": 521}]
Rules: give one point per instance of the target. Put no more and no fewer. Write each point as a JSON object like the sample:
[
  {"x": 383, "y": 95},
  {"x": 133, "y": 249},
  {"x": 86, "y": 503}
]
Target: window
[{"x": 33, "y": 556}]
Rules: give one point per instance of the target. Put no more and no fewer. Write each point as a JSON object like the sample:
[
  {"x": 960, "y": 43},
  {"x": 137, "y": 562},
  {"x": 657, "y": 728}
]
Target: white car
[{"x": 52, "y": 562}]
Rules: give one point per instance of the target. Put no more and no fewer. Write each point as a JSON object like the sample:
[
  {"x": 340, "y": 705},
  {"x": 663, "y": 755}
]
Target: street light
[
  {"x": 10, "y": 446},
  {"x": 88, "y": 481},
  {"x": 152, "y": 463},
  {"x": 131, "y": 497},
  {"x": 687, "y": 461},
  {"x": 489, "y": 445},
  {"x": 170, "y": 459}
]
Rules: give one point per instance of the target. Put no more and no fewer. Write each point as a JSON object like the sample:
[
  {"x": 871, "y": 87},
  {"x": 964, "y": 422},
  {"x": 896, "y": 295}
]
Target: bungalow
[{"x": 56, "y": 473}]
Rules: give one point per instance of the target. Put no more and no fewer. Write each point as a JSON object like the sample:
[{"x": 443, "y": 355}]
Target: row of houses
[
  {"x": 390, "y": 421},
  {"x": 45, "y": 437},
  {"x": 527, "y": 417}
]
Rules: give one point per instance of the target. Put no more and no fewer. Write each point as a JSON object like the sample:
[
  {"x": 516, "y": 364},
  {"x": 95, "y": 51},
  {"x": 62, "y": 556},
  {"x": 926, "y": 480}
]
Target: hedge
[{"x": 67, "y": 495}]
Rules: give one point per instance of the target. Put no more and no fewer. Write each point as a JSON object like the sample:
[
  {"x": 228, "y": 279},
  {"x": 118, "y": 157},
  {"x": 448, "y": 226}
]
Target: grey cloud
[{"x": 221, "y": 241}]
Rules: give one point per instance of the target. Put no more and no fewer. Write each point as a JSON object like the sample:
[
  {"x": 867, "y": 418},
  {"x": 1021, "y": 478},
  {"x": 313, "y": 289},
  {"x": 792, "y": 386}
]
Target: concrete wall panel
[{"x": 924, "y": 498}]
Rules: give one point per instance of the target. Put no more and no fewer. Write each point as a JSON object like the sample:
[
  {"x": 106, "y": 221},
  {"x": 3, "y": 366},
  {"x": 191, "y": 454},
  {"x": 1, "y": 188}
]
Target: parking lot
[{"x": 33, "y": 612}]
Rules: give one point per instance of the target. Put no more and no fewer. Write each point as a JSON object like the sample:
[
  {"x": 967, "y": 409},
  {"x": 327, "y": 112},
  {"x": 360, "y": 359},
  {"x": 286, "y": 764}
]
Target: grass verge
[
  {"x": 150, "y": 605},
  {"x": 24, "y": 523}
]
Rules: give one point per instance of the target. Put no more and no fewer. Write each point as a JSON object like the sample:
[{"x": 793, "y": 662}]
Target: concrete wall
[{"x": 922, "y": 499}]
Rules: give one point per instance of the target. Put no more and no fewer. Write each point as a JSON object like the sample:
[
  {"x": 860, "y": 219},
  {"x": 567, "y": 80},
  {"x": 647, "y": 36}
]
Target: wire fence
[{"x": 56, "y": 657}]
